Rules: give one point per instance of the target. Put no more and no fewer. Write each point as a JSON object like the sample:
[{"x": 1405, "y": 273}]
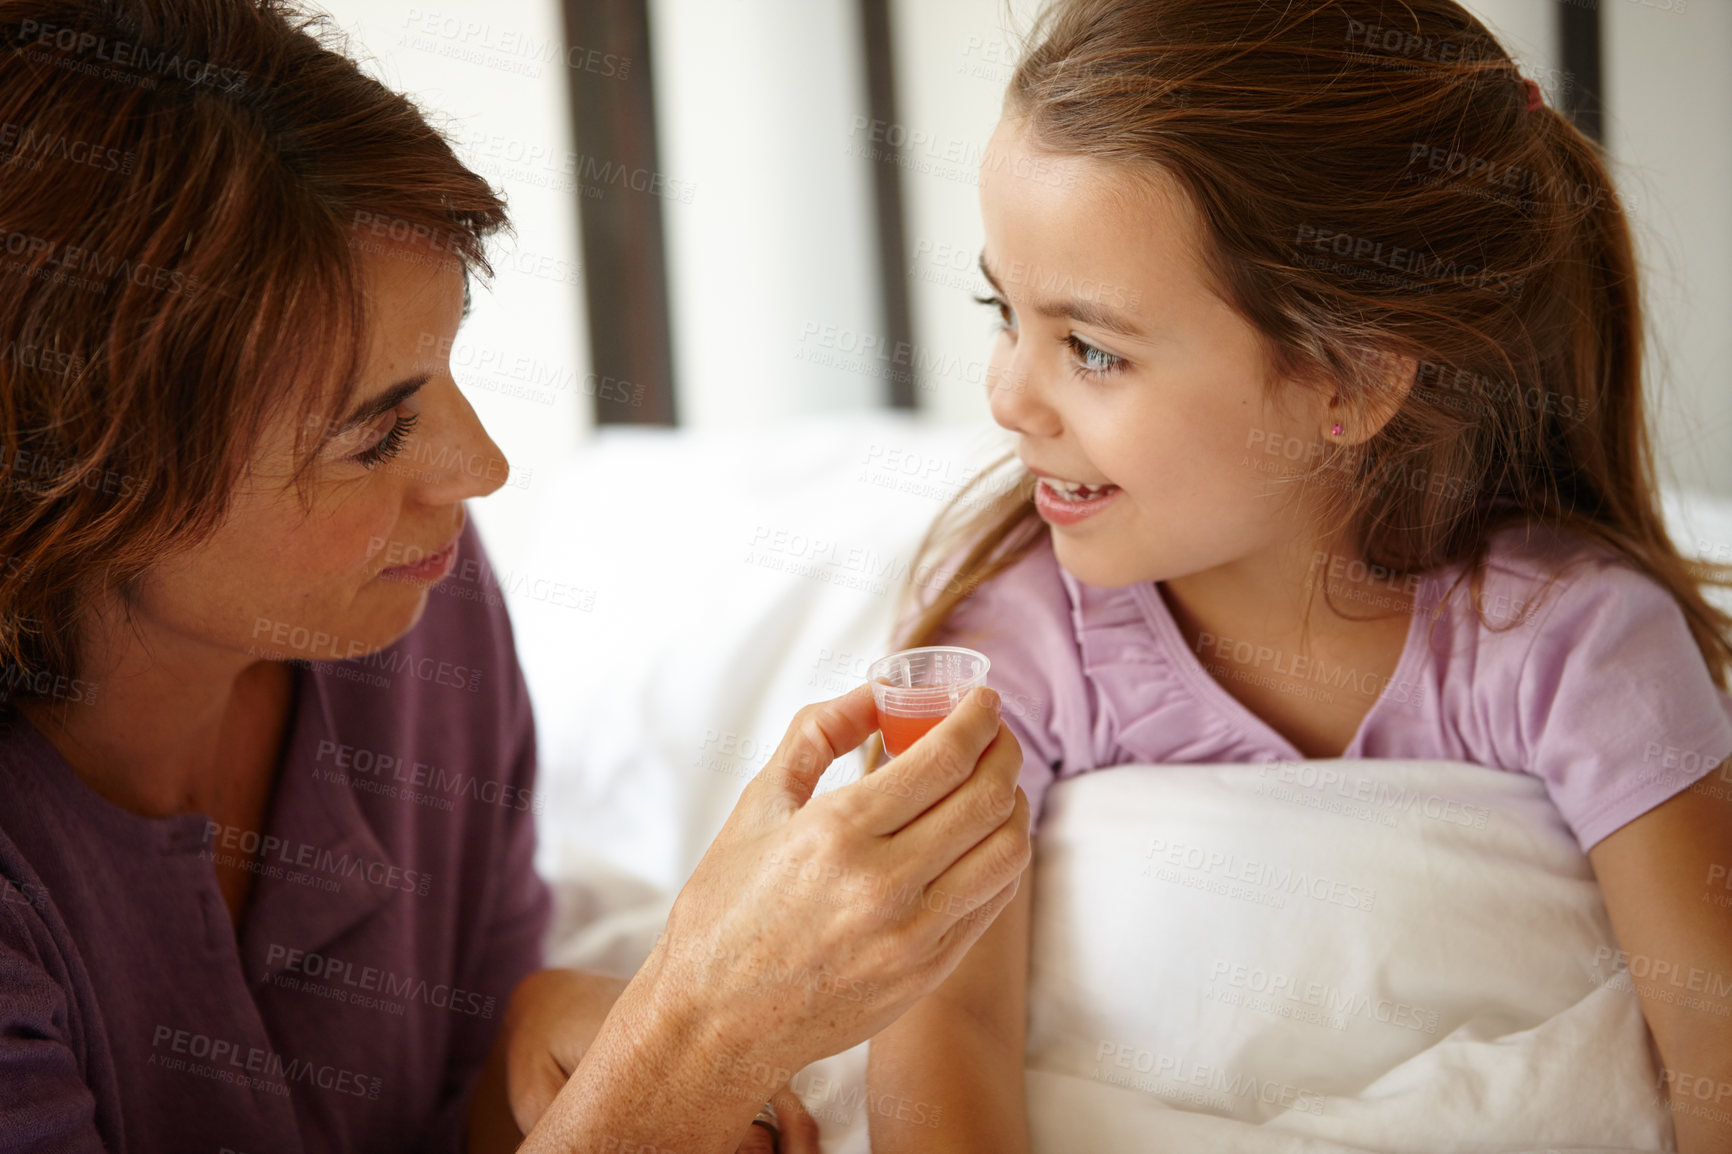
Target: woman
[{"x": 265, "y": 788}]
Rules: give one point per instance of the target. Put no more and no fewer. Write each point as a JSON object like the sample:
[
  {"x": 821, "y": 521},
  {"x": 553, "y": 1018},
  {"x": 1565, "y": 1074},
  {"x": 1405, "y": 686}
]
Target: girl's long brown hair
[
  {"x": 188, "y": 189},
  {"x": 1374, "y": 184}
]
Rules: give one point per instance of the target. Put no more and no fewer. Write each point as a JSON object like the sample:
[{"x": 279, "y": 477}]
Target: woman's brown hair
[
  {"x": 1376, "y": 180},
  {"x": 188, "y": 189}
]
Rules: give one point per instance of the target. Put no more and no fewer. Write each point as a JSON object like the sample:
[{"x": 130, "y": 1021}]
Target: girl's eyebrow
[{"x": 1078, "y": 308}]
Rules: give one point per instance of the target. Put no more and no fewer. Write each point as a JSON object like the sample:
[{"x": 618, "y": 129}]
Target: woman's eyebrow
[
  {"x": 382, "y": 403},
  {"x": 1080, "y": 308}
]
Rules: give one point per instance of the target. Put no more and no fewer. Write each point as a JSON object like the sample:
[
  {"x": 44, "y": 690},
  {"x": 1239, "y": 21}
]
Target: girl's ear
[{"x": 1357, "y": 415}]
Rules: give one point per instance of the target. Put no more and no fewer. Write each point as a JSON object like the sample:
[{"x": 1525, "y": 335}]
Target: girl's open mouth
[{"x": 1069, "y": 502}]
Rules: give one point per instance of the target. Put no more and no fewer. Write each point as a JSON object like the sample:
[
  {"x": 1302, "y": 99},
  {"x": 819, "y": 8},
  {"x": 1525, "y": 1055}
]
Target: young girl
[{"x": 1321, "y": 348}]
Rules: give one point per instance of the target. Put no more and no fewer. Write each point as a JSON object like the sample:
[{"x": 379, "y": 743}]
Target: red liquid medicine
[{"x": 901, "y": 731}]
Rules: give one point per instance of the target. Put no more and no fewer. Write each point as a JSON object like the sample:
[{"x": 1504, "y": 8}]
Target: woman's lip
[
  {"x": 1058, "y": 511},
  {"x": 435, "y": 566}
]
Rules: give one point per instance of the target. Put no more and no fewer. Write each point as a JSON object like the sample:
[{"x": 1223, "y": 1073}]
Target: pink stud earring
[{"x": 1335, "y": 429}]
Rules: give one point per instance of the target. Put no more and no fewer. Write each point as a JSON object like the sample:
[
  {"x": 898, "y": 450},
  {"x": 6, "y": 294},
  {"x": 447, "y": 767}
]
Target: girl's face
[{"x": 1118, "y": 369}]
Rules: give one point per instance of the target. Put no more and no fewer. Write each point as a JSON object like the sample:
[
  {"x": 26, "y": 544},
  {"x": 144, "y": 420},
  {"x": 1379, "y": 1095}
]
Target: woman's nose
[{"x": 465, "y": 463}]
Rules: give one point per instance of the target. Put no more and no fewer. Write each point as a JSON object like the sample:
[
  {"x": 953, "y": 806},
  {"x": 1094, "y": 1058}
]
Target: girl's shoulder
[
  {"x": 1540, "y": 578},
  {"x": 1577, "y": 666}
]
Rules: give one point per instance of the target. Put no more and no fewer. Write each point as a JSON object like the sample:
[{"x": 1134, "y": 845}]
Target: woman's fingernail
[{"x": 989, "y": 698}]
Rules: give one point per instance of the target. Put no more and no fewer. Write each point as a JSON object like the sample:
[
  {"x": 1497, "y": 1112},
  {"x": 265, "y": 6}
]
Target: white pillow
[{"x": 1375, "y": 955}]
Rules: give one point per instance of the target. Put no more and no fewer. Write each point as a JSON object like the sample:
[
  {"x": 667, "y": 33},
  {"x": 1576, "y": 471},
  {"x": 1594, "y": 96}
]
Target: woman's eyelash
[
  {"x": 1107, "y": 363},
  {"x": 390, "y": 444}
]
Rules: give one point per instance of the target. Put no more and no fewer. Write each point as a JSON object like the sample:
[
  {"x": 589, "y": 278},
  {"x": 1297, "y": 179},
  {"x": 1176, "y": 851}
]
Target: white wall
[
  {"x": 1528, "y": 31},
  {"x": 1670, "y": 89},
  {"x": 953, "y": 60},
  {"x": 493, "y": 78},
  {"x": 772, "y": 266}
]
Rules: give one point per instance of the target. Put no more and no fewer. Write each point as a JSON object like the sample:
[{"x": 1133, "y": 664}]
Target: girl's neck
[{"x": 1256, "y": 631}]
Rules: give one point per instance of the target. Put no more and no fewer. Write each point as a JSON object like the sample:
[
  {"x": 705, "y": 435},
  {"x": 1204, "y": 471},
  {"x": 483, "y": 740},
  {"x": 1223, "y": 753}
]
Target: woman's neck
[{"x": 171, "y": 723}]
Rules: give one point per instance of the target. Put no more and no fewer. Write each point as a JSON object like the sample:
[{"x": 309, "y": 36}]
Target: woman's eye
[
  {"x": 1006, "y": 319},
  {"x": 390, "y": 444},
  {"x": 1090, "y": 359}
]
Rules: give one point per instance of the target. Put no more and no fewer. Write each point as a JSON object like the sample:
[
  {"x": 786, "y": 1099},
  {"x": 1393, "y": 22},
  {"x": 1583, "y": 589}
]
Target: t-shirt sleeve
[
  {"x": 1021, "y": 620},
  {"x": 1616, "y": 709},
  {"x": 45, "y": 1104}
]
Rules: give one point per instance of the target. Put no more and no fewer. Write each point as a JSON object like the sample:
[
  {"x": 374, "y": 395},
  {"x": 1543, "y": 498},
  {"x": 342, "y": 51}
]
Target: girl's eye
[
  {"x": 1090, "y": 359},
  {"x": 390, "y": 444},
  {"x": 1006, "y": 319}
]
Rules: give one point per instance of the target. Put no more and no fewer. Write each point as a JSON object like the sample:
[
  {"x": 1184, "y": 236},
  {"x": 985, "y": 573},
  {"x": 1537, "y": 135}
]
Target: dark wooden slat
[
  {"x": 887, "y": 197},
  {"x": 624, "y": 258},
  {"x": 1579, "y": 40}
]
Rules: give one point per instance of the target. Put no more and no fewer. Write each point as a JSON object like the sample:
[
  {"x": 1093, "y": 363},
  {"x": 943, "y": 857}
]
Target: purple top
[
  {"x": 395, "y": 908},
  {"x": 1601, "y": 692}
]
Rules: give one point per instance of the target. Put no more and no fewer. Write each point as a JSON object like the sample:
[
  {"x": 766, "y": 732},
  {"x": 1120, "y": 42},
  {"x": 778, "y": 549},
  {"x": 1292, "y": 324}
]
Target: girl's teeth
[{"x": 1073, "y": 490}]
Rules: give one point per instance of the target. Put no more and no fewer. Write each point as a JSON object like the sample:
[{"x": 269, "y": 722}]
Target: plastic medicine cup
[{"x": 915, "y": 689}]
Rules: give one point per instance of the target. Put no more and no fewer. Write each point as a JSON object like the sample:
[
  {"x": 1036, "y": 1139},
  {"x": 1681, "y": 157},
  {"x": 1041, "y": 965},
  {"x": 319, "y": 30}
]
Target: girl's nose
[{"x": 1016, "y": 402}]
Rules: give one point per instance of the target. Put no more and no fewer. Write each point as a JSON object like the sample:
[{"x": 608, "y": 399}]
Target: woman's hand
[
  {"x": 549, "y": 1023},
  {"x": 552, "y": 1018},
  {"x": 814, "y": 922},
  {"x": 798, "y": 1130},
  {"x": 809, "y": 924}
]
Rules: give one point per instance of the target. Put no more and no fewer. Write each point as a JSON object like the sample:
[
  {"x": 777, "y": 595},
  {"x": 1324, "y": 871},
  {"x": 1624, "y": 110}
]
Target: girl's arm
[
  {"x": 1661, "y": 875},
  {"x": 947, "y": 1075}
]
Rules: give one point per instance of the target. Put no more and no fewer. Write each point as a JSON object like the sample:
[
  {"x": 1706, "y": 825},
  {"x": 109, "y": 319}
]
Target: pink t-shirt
[{"x": 1601, "y": 692}]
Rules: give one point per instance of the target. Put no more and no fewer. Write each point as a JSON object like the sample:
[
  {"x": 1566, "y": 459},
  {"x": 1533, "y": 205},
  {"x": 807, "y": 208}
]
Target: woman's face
[
  {"x": 1118, "y": 368},
  {"x": 346, "y": 569}
]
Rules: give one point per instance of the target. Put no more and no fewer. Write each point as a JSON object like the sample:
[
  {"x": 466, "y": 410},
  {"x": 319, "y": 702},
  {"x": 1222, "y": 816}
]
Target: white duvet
[
  {"x": 1329, "y": 956},
  {"x": 1322, "y": 957}
]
